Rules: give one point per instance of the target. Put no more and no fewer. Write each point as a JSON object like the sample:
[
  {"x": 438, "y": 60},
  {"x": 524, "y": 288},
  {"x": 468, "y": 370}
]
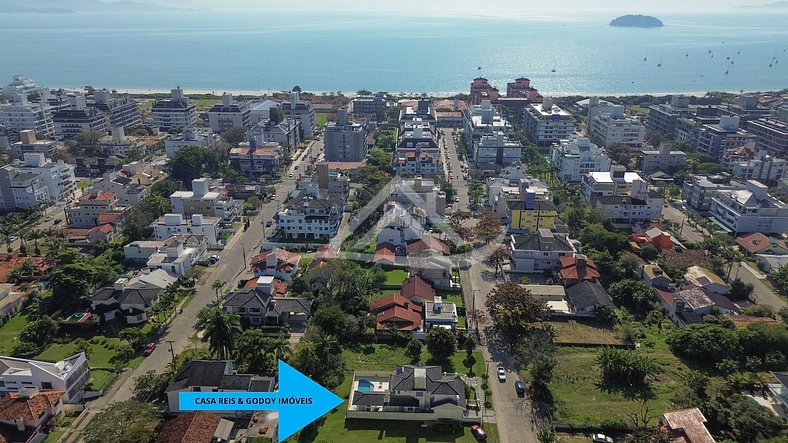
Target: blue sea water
[{"x": 324, "y": 52}]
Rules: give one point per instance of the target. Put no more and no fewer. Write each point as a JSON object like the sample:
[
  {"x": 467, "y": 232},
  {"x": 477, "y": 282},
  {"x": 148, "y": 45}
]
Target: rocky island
[{"x": 637, "y": 21}]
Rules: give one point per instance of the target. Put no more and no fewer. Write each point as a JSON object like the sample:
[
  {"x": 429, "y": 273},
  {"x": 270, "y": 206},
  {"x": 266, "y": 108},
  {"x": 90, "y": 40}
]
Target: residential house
[
  {"x": 433, "y": 268},
  {"x": 689, "y": 304},
  {"x": 553, "y": 295},
  {"x": 440, "y": 314},
  {"x": 132, "y": 305},
  {"x": 757, "y": 243},
  {"x": 398, "y": 226},
  {"x": 577, "y": 268},
  {"x": 179, "y": 254},
  {"x": 90, "y": 206},
  {"x": 11, "y": 301},
  {"x": 176, "y": 112},
  {"x": 385, "y": 255},
  {"x": 706, "y": 279},
  {"x": 412, "y": 393},
  {"x": 255, "y": 160},
  {"x": 190, "y": 136},
  {"x": 90, "y": 167},
  {"x": 213, "y": 376},
  {"x": 586, "y": 297},
  {"x": 750, "y": 210},
  {"x": 172, "y": 224},
  {"x": 228, "y": 114},
  {"x": 688, "y": 425},
  {"x": 201, "y": 200},
  {"x": 140, "y": 251},
  {"x": 42, "y": 266},
  {"x": 417, "y": 290},
  {"x": 662, "y": 240},
  {"x": 664, "y": 159},
  {"x": 277, "y": 263},
  {"x": 257, "y": 307},
  {"x": 763, "y": 168},
  {"x": 311, "y": 213},
  {"x": 769, "y": 263},
  {"x": 574, "y": 157},
  {"x": 28, "y": 142},
  {"x": 545, "y": 123},
  {"x": 57, "y": 176},
  {"x": 28, "y": 411},
  {"x": 655, "y": 277},
  {"x": 623, "y": 196},
  {"x": 127, "y": 191},
  {"x": 428, "y": 244},
  {"x": 395, "y": 312},
  {"x": 324, "y": 254},
  {"x": 540, "y": 251},
  {"x": 68, "y": 376},
  {"x": 196, "y": 427},
  {"x": 420, "y": 192}
]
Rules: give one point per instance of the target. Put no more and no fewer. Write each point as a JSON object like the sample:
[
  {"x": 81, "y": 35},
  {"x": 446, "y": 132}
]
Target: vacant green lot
[
  {"x": 396, "y": 276},
  {"x": 382, "y": 357},
  {"x": 9, "y": 333}
]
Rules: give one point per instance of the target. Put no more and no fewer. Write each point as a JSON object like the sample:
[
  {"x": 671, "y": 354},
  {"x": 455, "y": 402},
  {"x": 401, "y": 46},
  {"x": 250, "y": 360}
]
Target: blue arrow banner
[{"x": 300, "y": 401}]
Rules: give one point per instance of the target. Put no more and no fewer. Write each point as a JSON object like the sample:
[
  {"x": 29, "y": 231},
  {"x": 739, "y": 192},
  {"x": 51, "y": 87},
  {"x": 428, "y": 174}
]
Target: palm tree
[
  {"x": 35, "y": 235},
  {"x": 280, "y": 347},
  {"x": 254, "y": 351},
  {"x": 219, "y": 329},
  {"x": 7, "y": 230},
  {"x": 217, "y": 286}
]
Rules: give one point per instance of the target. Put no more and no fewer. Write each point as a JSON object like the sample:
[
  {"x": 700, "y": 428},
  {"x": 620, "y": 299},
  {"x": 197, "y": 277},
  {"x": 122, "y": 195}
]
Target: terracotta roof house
[
  {"x": 29, "y": 408},
  {"x": 396, "y": 311},
  {"x": 8, "y": 262},
  {"x": 576, "y": 269},
  {"x": 691, "y": 303},
  {"x": 195, "y": 427},
  {"x": 385, "y": 255},
  {"x": 428, "y": 243},
  {"x": 658, "y": 238},
  {"x": 277, "y": 263},
  {"x": 418, "y": 290},
  {"x": 757, "y": 243},
  {"x": 686, "y": 426},
  {"x": 324, "y": 254}
]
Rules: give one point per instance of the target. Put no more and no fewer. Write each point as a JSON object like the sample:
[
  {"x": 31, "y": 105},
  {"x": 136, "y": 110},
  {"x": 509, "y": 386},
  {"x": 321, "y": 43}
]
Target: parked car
[
  {"x": 519, "y": 386},
  {"x": 214, "y": 258},
  {"x": 290, "y": 175},
  {"x": 149, "y": 349},
  {"x": 478, "y": 432},
  {"x": 268, "y": 224},
  {"x": 601, "y": 438},
  {"x": 57, "y": 221},
  {"x": 48, "y": 218},
  {"x": 501, "y": 374}
]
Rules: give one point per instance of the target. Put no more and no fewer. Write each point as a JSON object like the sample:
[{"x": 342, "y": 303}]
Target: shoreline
[{"x": 267, "y": 92}]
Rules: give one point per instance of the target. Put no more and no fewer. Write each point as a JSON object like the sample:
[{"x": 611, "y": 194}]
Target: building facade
[
  {"x": 301, "y": 111},
  {"x": 614, "y": 128},
  {"x": 750, "y": 210},
  {"x": 545, "y": 123},
  {"x": 123, "y": 111},
  {"x": 576, "y": 157},
  {"x": 176, "y": 112},
  {"x": 345, "y": 141},
  {"x": 228, "y": 114}
]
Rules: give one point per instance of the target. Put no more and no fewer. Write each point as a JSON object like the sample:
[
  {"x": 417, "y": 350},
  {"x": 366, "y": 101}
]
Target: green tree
[
  {"x": 629, "y": 265},
  {"x": 413, "y": 350},
  {"x": 441, "y": 343},
  {"x": 87, "y": 144},
  {"x": 620, "y": 153},
  {"x": 41, "y": 332},
  {"x": 124, "y": 422},
  {"x": 72, "y": 284},
  {"x": 624, "y": 367},
  {"x": 234, "y": 136},
  {"x": 708, "y": 343},
  {"x": 320, "y": 358},
  {"x": 512, "y": 309},
  {"x": 631, "y": 292},
  {"x": 150, "y": 386},
  {"x": 780, "y": 278},
  {"x": 752, "y": 422},
  {"x": 344, "y": 283},
  {"x": 649, "y": 252},
  {"x": 192, "y": 162},
  {"x": 254, "y": 351},
  {"x": 219, "y": 328},
  {"x": 488, "y": 228},
  {"x": 331, "y": 319},
  {"x": 217, "y": 286}
]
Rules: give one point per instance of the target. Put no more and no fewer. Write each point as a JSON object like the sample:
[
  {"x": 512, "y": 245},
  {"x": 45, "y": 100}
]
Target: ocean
[{"x": 339, "y": 52}]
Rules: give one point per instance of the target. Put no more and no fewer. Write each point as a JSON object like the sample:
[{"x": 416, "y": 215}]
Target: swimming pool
[{"x": 365, "y": 385}]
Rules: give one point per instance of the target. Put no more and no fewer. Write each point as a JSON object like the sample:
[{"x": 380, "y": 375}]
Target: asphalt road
[
  {"x": 234, "y": 260},
  {"x": 763, "y": 292},
  {"x": 688, "y": 233},
  {"x": 456, "y": 176}
]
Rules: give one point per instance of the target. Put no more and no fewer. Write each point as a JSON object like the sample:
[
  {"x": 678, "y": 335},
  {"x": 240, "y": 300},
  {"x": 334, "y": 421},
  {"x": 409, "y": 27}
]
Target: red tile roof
[
  {"x": 417, "y": 287},
  {"x": 105, "y": 228},
  {"x": 754, "y": 242},
  {"x": 741, "y": 321},
  {"x": 99, "y": 196},
  {"x": 108, "y": 217},
  {"x": 11, "y": 406},
  {"x": 428, "y": 243},
  {"x": 574, "y": 269},
  {"x": 10, "y": 261},
  {"x": 384, "y": 252},
  {"x": 688, "y": 425},
  {"x": 405, "y": 319},
  {"x": 392, "y": 300},
  {"x": 190, "y": 427}
]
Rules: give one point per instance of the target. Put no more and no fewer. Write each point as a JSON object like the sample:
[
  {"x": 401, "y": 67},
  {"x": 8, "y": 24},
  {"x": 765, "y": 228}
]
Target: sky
[{"x": 476, "y": 7}]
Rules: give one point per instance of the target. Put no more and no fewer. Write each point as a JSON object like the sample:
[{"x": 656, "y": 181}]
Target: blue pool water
[{"x": 365, "y": 385}]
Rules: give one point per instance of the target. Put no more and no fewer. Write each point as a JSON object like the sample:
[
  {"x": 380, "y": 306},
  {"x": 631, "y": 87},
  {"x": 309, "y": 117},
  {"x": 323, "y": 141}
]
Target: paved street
[
  {"x": 456, "y": 176},
  {"x": 688, "y": 233},
  {"x": 234, "y": 259},
  {"x": 762, "y": 292}
]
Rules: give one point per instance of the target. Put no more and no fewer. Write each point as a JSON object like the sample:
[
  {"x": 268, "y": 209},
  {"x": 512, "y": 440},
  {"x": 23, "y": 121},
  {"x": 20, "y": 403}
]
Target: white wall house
[
  {"x": 541, "y": 251},
  {"x": 191, "y": 136},
  {"x": 69, "y": 375},
  {"x": 179, "y": 254},
  {"x": 174, "y": 224},
  {"x": 750, "y": 210},
  {"x": 201, "y": 200}
]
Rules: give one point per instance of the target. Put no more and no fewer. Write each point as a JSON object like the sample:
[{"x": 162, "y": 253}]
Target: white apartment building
[
  {"x": 119, "y": 143},
  {"x": 716, "y": 139},
  {"x": 29, "y": 143},
  {"x": 617, "y": 127},
  {"x": 623, "y": 196},
  {"x": 57, "y": 176},
  {"x": 191, "y": 136},
  {"x": 21, "y": 114},
  {"x": 175, "y": 224},
  {"x": 122, "y": 111},
  {"x": 545, "y": 123},
  {"x": 698, "y": 190},
  {"x": 174, "y": 112},
  {"x": 201, "y": 200},
  {"x": 179, "y": 254},
  {"x": 91, "y": 206},
  {"x": 750, "y": 210},
  {"x": 21, "y": 190},
  {"x": 495, "y": 150},
  {"x": 480, "y": 120},
  {"x": 287, "y": 133},
  {"x": 764, "y": 168},
  {"x": 261, "y": 110},
  {"x": 576, "y": 157},
  {"x": 78, "y": 118},
  {"x": 253, "y": 159},
  {"x": 419, "y": 192},
  {"x": 228, "y": 114},
  {"x": 301, "y": 111},
  {"x": 664, "y": 159},
  {"x": 417, "y": 149},
  {"x": 69, "y": 375},
  {"x": 20, "y": 85},
  {"x": 129, "y": 192},
  {"x": 310, "y": 214}
]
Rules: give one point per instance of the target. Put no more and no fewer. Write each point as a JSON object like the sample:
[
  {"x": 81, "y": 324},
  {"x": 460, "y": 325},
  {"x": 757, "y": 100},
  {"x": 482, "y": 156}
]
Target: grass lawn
[
  {"x": 396, "y": 276},
  {"x": 321, "y": 119},
  {"x": 581, "y": 398},
  {"x": 306, "y": 257},
  {"x": 383, "y": 357},
  {"x": 54, "y": 436},
  {"x": 84, "y": 184},
  {"x": 9, "y": 333},
  {"x": 583, "y": 331}
]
